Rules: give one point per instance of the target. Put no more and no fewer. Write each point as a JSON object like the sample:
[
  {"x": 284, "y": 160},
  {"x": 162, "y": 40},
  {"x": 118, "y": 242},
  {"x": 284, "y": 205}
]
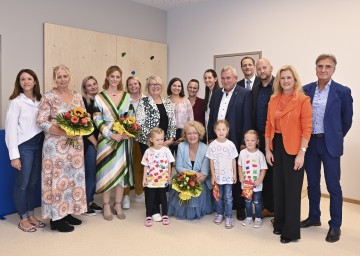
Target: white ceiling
[{"x": 167, "y": 4}]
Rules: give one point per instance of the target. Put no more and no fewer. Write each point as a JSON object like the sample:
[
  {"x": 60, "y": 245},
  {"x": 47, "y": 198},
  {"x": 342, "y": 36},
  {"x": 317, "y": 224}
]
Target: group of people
[{"x": 258, "y": 134}]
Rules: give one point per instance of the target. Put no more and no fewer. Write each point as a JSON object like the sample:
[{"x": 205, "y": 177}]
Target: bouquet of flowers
[
  {"x": 187, "y": 184},
  {"x": 125, "y": 124},
  {"x": 75, "y": 122}
]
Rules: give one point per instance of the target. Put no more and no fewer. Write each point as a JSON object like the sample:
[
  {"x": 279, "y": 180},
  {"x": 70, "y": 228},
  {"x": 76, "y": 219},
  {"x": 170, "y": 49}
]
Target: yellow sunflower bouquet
[
  {"x": 187, "y": 184},
  {"x": 125, "y": 125},
  {"x": 75, "y": 122}
]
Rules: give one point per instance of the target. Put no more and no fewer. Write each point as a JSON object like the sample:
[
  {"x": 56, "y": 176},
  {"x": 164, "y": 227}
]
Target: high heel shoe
[
  {"x": 106, "y": 210},
  {"x": 61, "y": 226},
  {"x": 120, "y": 215}
]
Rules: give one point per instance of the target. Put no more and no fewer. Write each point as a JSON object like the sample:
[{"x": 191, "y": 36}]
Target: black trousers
[
  {"x": 152, "y": 198},
  {"x": 287, "y": 191},
  {"x": 267, "y": 193}
]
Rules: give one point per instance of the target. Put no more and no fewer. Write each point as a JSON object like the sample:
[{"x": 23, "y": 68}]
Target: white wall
[
  {"x": 21, "y": 30},
  {"x": 287, "y": 32}
]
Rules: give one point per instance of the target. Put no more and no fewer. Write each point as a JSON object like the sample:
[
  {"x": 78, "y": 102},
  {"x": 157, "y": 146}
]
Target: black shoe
[
  {"x": 240, "y": 214},
  {"x": 72, "y": 220},
  {"x": 285, "y": 240},
  {"x": 333, "y": 235},
  {"x": 89, "y": 212},
  {"x": 309, "y": 222},
  {"x": 277, "y": 232},
  {"x": 95, "y": 207},
  {"x": 61, "y": 226}
]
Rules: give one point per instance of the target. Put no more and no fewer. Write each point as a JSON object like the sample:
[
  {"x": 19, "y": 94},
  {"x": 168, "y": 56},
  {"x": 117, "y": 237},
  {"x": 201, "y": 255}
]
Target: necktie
[{"x": 248, "y": 85}]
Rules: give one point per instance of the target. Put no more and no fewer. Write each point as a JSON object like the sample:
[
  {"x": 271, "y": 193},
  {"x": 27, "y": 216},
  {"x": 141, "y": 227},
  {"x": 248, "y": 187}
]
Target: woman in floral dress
[
  {"x": 114, "y": 158},
  {"x": 63, "y": 174}
]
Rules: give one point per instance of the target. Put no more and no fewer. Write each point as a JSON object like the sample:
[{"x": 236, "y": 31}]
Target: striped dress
[{"x": 113, "y": 161}]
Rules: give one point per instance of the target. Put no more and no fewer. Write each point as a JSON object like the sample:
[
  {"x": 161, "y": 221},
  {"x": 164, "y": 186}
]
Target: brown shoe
[{"x": 266, "y": 213}]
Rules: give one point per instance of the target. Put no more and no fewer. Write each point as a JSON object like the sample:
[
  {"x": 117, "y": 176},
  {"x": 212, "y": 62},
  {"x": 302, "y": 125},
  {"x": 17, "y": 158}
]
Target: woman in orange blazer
[{"x": 288, "y": 130}]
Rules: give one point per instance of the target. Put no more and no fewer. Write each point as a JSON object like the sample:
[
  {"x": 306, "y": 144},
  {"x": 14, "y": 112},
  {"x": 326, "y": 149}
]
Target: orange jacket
[{"x": 296, "y": 122}]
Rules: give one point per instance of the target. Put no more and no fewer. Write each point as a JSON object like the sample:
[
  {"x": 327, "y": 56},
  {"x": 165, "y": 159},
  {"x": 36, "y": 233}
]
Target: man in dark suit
[
  {"x": 232, "y": 103},
  {"x": 261, "y": 94},
  {"x": 248, "y": 68},
  {"x": 332, "y": 106}
]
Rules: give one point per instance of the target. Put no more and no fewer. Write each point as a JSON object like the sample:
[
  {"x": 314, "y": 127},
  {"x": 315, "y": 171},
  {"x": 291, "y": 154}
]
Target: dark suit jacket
[
  {"x": 241, "y": 83},
  {"x": 238, "y": 114},
  {"x": 337, "y": 117}
]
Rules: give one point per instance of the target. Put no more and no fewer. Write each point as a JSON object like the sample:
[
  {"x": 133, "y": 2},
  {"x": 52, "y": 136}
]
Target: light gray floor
[{"x": 202, "y": 237}]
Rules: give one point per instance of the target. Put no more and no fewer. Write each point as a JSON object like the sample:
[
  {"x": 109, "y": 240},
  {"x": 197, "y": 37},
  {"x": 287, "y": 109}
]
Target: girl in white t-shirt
[
  {"x": 222, "y": 153},
  {"x": 252, "y": 169},
  {"x": 157, "y": 161}
]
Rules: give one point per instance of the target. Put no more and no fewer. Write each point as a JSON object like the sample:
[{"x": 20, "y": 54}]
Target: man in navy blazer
[
  {"x": 232, "y": 103},
  {"x": 248, "y": 68},
  {"x": 332, "y": 105}
]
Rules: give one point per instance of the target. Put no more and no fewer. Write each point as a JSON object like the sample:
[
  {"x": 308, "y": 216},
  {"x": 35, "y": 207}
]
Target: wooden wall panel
[{"x": 91, "y": 53}]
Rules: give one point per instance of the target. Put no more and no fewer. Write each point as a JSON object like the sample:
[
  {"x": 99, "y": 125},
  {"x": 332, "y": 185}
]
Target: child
[
  {"x": 222, "y": 153},
  {"x": 252, "y": 168},
  {"x": 157, "y": 161}
]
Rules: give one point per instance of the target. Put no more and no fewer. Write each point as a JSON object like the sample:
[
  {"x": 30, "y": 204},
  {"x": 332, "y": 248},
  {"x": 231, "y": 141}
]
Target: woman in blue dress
[{"x": 191, "y": 157}]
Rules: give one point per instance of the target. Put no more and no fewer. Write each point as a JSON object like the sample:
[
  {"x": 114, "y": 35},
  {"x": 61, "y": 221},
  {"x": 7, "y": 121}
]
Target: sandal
[
  {"x": 165, "y": 220},
  {"x": 39, "y": 224},
  {"x": 120, "y": 215},
  {"x": 30, "y": 229},
  {"x": 148, "y": 222}
]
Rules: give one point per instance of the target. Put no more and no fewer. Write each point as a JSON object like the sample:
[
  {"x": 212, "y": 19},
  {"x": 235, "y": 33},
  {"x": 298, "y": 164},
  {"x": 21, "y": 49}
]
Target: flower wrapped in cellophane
[
  {"x": 75, "y": 122},
  {"x": 187, "y": 184},
  {"x": 125, "y": 125}
]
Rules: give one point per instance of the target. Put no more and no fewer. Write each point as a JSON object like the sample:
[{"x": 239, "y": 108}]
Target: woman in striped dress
[{"x": 113, "y": 162}]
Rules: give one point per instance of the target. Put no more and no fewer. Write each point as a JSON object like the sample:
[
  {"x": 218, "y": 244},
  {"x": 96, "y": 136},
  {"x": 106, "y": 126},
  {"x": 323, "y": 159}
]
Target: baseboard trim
[{"x": 347, "y": 200}]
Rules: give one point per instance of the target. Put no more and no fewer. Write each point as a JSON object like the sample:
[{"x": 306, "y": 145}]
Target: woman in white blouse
[
  {"x": 182, "y": 108},
  {"x": 24, "y": 141}
]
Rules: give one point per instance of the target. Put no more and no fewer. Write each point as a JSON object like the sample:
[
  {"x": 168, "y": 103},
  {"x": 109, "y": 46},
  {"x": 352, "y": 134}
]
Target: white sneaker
[
  {"x": 140, "y": 198},
  {"x": 125, "y": 202},
  {"x": 157, "y": 217},
  {"x": 247, "y": 222},
  {"x": 257, "y": 223}
]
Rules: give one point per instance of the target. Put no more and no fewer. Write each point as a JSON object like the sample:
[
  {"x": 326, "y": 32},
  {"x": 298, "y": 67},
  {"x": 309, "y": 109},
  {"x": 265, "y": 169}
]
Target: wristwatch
[{"x": 303, "y": 149}]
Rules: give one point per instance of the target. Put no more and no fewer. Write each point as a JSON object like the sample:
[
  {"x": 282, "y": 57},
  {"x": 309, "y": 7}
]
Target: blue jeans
[
  {"x": 256, "y": 199},
  {"x": 26, "y": 179},
  {"x": 224, "y": 205},
  {"x": 90, "y": 172}
]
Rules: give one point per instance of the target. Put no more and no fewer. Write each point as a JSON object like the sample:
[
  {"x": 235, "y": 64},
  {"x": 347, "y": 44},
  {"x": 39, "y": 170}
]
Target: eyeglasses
[
  {"x": 191, "y": 133},
  {"x": 154, "y": 85}
]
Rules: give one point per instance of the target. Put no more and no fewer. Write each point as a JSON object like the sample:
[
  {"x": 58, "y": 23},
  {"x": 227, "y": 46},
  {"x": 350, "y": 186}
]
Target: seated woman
[{"x": 191, "y": 157}]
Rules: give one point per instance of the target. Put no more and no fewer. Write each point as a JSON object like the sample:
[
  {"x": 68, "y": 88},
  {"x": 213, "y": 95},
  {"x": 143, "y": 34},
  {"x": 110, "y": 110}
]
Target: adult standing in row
[
  {"x": 24, "y": 140},
  {"x": 89, "y": 89},
  {"x": 113, "y": 169},
  {"x": 332, "y": 105},
  {"x": 133, "y": 87},
  {"x": 261, "y": 94},
  {"x": 211, "y": 83},
  {"x": 288, "y": 130},
  {"x": 182, "y": 109},
  {"x": 248, "y": 68},
  {"x": 232, "y": 103},
  {"x": 63, "y": 174},
  {"x": 198, "y": 104}
]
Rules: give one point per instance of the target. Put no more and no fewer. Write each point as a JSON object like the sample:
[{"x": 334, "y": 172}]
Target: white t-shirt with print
[
  {"x": 157, "y": 163},
  {"x": 252, "y": 163},
  {"x": 222, "y": 153}
]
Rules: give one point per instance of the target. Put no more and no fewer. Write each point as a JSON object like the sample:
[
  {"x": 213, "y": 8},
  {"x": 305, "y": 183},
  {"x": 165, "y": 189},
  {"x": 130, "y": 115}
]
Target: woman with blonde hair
[
  {"x": 63, "y": 174},
  {"x": 287, "y": 133}
]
